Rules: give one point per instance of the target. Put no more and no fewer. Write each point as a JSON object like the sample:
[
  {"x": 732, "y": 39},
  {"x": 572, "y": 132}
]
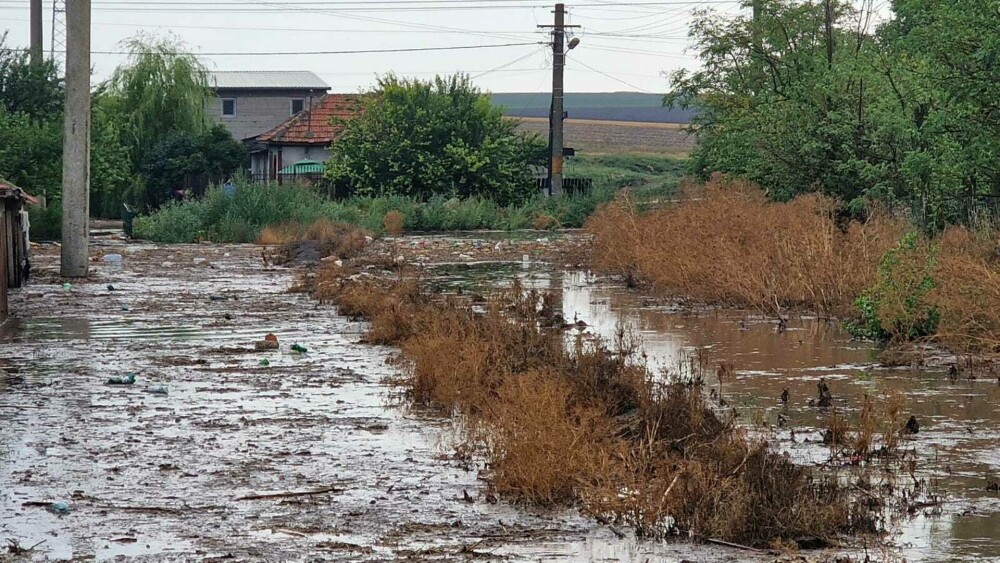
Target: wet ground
[
  {"x": 305, "y": 458},
  {"x": 310, "y": 458},
  {"x": 956, "y": 450}
]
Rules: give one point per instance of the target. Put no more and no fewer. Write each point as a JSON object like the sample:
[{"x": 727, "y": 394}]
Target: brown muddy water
[
  {"x": 957, "y": 449},
  {"x": 187, "y": 475}
]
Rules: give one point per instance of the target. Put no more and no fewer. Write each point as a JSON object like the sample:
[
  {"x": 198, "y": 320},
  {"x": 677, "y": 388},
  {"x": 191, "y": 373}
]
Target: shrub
[
  {"x": 899, "y": 305},
  {"x": 589, "y": 423},
  {"x": 46, "y": 224},
  {"x": 393, "y": 223}
]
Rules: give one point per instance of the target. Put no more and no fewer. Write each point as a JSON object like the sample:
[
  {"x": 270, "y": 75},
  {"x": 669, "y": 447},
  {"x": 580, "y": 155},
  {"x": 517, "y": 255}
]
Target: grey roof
[{"x": 267, "y": 79}]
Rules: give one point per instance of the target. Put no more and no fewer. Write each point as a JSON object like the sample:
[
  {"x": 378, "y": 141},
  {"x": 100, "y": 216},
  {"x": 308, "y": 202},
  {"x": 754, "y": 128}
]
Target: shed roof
[
  {"x": 266, "y": 80},
  {"x": 315, "y": 126},
  {"x": 10, "y": 191}
]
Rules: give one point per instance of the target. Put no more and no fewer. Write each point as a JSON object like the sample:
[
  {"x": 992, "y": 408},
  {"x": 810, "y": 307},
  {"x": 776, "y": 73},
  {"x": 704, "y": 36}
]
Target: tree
[
  {"x": 160, "y": 90},
  {"x": 112, "y": 179},
  {"x": 32, "y": 90},
  {"x": 31, "y": 99},
  {"x": 181, "y": 161},
  {"x": 31, "y": 153},
  {"x": 420, "y": 138},
  {"x": 906, "y": 114}
]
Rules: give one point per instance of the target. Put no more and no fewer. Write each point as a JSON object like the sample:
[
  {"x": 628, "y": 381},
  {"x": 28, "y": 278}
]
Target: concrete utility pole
[
  {"x": 76, "y": 144},
  {"x": 36, "y": 32},
  {"x": 557, "y": 112}
]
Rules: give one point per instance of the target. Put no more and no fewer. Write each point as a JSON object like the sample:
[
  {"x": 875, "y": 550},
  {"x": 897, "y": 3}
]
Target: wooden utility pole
[
  {"x": 36, "y": 32},
  {"x": 557, "y": 112},
  {"x": 75, "y": 260}
]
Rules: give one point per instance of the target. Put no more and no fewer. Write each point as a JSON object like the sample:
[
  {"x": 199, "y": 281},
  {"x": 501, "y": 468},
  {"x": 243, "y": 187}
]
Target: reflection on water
[{"x": 960, "y": 420}]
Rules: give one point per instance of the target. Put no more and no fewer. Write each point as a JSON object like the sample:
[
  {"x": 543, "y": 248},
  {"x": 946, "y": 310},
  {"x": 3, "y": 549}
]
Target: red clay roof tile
[{"x": 314, "y": 126}]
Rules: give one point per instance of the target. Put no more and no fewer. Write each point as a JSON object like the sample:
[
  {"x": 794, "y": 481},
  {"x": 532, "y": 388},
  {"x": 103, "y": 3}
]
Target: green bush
[
  {"x": 46, "y": 224},
  {"x": 240, "y": 218},
  {"x": 898, "y": 306}
]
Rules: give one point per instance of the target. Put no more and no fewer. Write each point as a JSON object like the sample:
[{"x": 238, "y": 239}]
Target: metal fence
[
  {"x": 309, "y": 178},
  {"x": 571, "y": 186},
  {"x": 977, "y": 211}
]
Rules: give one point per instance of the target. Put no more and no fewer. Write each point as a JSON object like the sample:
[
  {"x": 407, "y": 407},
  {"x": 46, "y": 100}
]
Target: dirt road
[{"x": 305, "y": 458}]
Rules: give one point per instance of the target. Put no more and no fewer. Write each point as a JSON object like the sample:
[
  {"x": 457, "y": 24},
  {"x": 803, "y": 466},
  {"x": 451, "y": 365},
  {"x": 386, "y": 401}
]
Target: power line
[
  {"x": 345, "y": 52},
  {"x": 507, "y": 64},
  {"x": 630, "y": 85},
  {"x": 299, "y": 29},
  {"x": 435, "y": 5}
]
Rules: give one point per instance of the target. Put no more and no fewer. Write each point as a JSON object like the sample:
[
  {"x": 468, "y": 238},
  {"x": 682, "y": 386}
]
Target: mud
[
  {"x": 307, "y": 458},
  {"x": 954, "y": 453},
  {"x": 312, "y": 458}
]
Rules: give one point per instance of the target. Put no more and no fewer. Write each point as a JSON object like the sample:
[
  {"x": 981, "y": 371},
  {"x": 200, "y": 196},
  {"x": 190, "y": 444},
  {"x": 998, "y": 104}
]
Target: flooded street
[
  {"x": 307, "y": 457},
  {"x": 278, "y": 455},
  {"x": 956, "y": 447}
]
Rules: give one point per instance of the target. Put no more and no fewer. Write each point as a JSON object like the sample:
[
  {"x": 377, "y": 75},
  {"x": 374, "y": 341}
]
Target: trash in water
[
  {"x": 270, "y": 342},
  {"x": 111, "y": 287},
  {"x": 129, "y": 379},
  {"x": 124, "y": 307},
  {"x": 60, "y": 508},
  {"x": 113, "y": 258},
  {"x": 217, "y": 297},
  {"x": 157, "y": 389},
  {"x": 299, "y": 348},
  {"x": 66, "y": 285},
  {"x": 264, "y": 363}
]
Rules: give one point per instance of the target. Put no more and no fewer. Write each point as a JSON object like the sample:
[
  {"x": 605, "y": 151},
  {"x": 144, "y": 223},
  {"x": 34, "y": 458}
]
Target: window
[
  {"x": 229, "y": 107},
  {"x": 297, "y": 106}
]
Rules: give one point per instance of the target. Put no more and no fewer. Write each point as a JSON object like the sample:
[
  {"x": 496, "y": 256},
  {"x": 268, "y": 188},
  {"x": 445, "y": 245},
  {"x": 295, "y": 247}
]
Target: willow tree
[{"x": 160, "y": 90}]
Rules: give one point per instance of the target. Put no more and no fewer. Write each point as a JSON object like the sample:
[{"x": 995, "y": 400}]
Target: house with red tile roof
[
  {"x": 302, "y": 143},
  {"x": 248, "y": 103}
]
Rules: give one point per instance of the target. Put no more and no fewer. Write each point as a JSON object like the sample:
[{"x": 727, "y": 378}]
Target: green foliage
[
  {"x": 898, "y": 307},
  {"x": 180, "y": 159},
  {"x": 160, "y": 90},
  {"x": 907, "y": 113},
  {"x": 237, "y": 218},
  {"x": 31, "y": 153},
  {"x": 112, "y": 181},
  {"x": 35, "y": 91},
  {"x": 30, "y": 122},
  {"x": 46, "y": 224},
  {"x": 241, "y": 218},
  {"x": 419, "y": 139}
]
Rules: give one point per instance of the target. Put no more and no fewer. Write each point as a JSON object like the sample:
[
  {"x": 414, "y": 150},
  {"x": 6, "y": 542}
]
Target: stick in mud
[{"x": 291, "y": 494}]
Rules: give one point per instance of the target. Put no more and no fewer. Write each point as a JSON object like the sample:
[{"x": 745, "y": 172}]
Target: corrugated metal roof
[{"x": 267, "y": 79}]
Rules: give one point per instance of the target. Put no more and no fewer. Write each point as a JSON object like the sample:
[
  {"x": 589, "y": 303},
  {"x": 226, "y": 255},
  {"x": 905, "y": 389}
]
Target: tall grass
[
  {"x": 726, "y": 243},
  {"x": 242, "y": 217}
]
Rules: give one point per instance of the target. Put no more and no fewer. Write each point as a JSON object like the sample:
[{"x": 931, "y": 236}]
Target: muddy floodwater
[{"x": 277, "y": 455}]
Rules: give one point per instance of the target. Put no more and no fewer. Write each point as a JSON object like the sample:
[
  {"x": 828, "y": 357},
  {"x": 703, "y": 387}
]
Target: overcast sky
[{"x": 625, "y": 45}]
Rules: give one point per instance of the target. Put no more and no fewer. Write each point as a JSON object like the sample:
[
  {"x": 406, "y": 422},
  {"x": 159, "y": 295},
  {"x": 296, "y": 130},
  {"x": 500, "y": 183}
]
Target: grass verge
[{"x": 243, "y": 216}]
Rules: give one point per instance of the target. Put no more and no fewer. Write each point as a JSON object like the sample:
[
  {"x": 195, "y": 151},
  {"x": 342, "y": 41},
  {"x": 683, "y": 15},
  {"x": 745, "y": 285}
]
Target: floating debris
[{"x": 129, "y": 379}]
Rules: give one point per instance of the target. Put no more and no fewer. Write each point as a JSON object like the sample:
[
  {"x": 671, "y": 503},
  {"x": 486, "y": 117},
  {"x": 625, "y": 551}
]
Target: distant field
[
  {"x": 605, "y": 137},
  {"x": 603, "y": 106}
]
